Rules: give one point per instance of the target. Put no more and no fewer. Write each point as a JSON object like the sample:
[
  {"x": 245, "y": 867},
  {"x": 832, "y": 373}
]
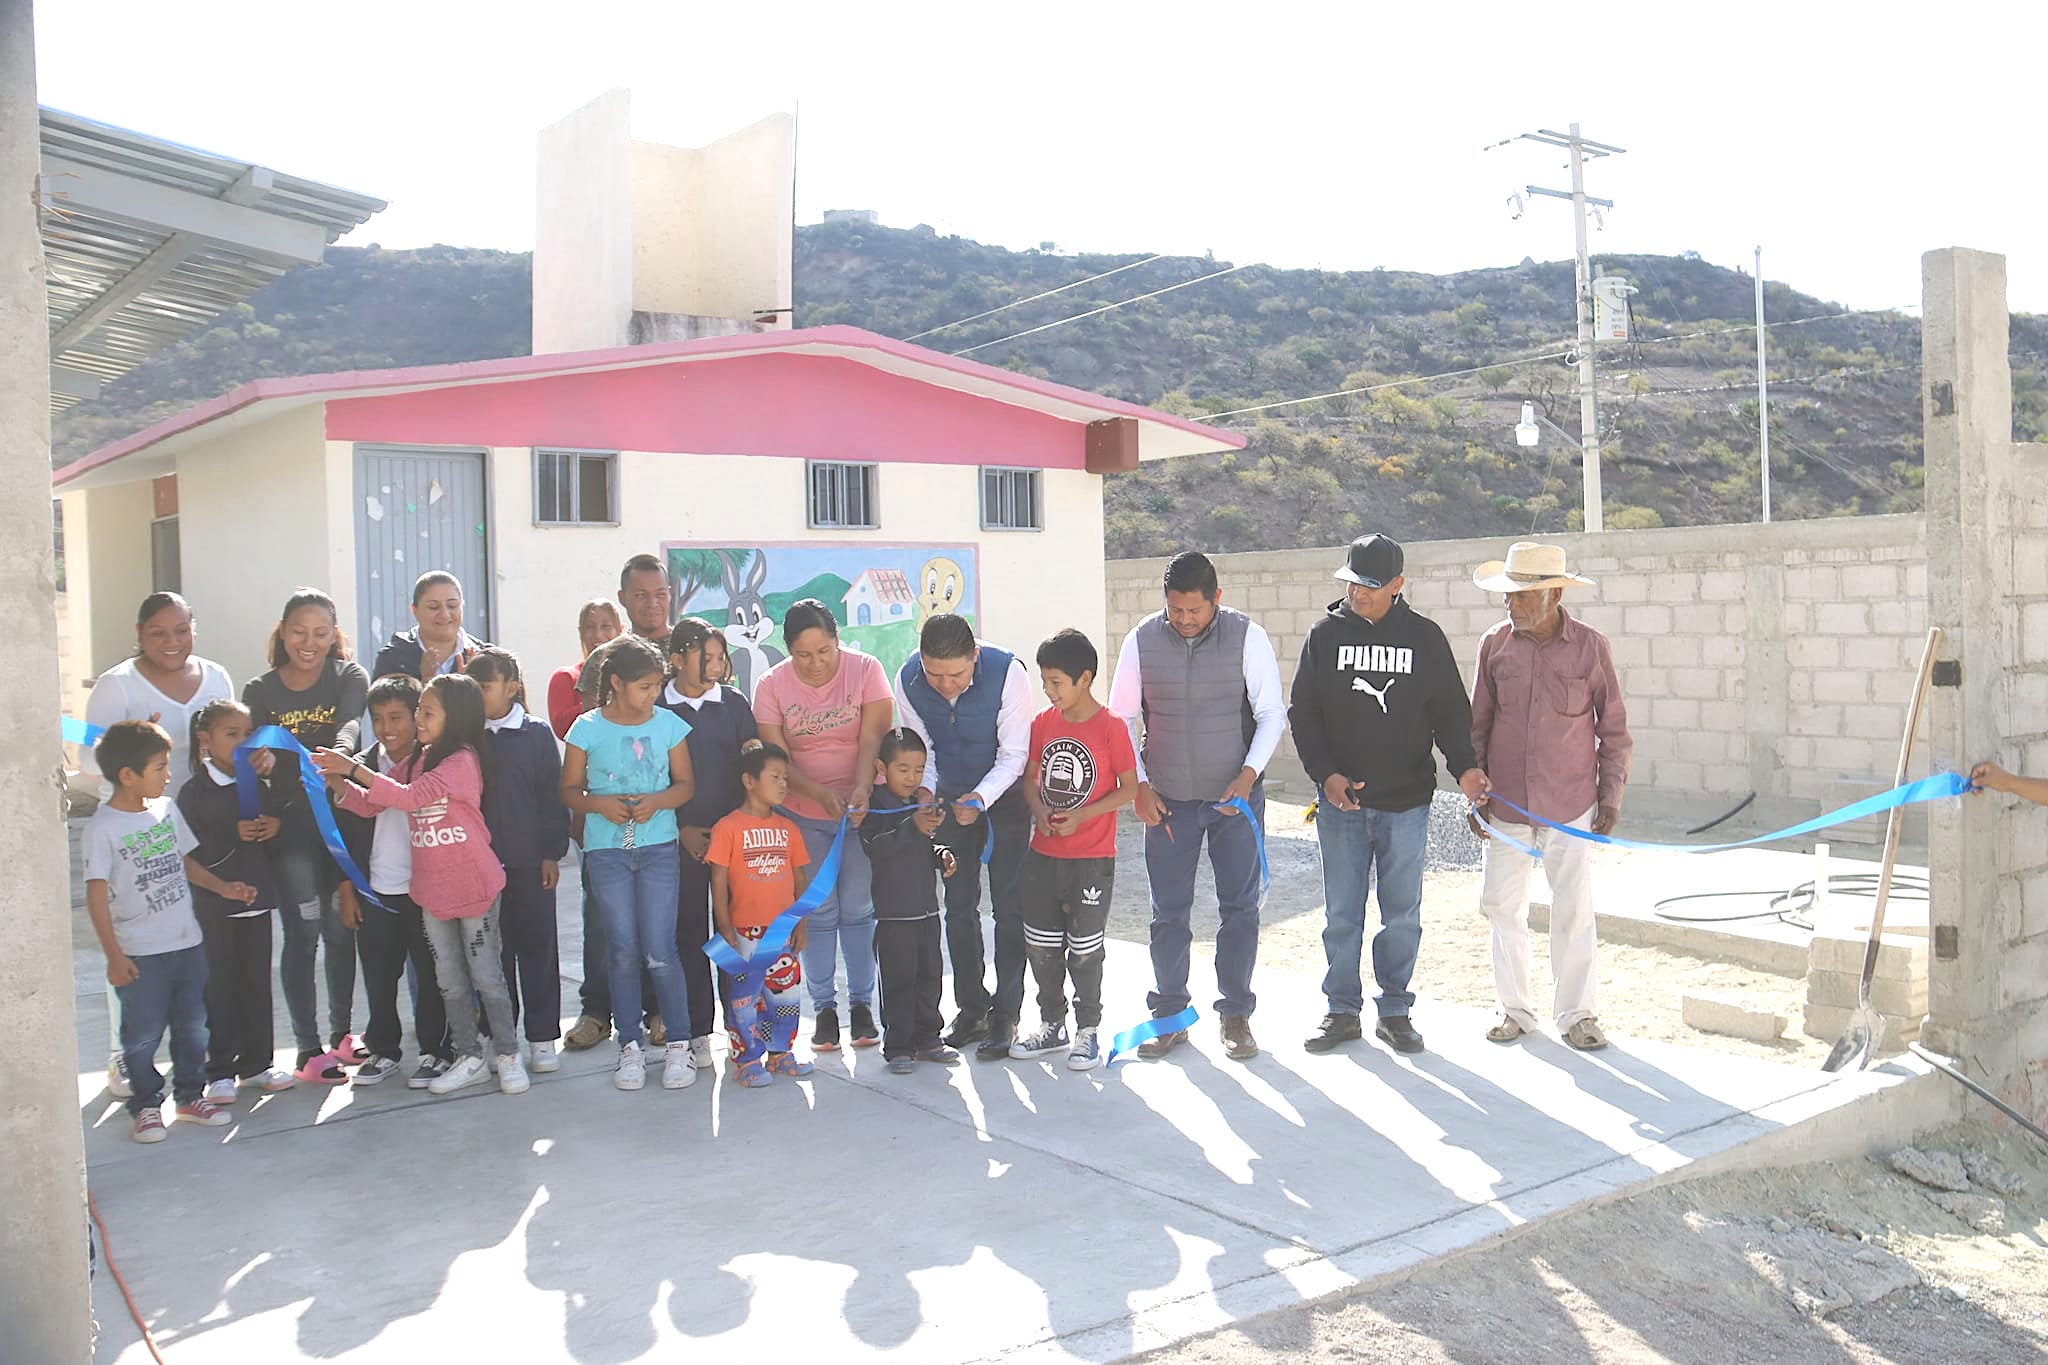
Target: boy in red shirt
[
  {"x": 758, "y": 869},
  {"x": 1081, "y": 768}
]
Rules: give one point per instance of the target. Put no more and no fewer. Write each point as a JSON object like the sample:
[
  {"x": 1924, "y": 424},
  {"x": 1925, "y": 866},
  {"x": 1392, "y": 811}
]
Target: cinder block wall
[{"x": 1776, "y": 659}]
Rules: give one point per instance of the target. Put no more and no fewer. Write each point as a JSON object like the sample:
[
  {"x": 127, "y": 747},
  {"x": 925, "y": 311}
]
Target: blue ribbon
[
  {"x": 988, "y": 839},
  {"x": 1244, "y": 808},
  {"x": 251, "y": 801},
  {"x": 1130, "y": 1039},
  {"x": 1497, "y": 832},
  {"x": 1937, "y": 787},
  {"x": 76, "y": 731}
]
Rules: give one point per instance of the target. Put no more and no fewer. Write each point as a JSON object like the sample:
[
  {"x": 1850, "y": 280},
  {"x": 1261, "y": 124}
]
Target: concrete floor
[{"x": 1010, "y": 1211}]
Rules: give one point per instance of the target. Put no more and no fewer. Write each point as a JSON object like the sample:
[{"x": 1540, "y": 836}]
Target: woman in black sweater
[{"x": 721, "y": 724}]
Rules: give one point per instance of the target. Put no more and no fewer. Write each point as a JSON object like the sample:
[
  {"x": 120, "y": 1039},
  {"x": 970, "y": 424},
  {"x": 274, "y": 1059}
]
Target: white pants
[{"x": 1567, "y": 863}]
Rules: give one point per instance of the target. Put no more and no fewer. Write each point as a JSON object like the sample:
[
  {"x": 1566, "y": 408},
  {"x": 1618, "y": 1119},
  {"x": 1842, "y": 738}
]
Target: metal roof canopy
[{"x": 147, "y": 241}]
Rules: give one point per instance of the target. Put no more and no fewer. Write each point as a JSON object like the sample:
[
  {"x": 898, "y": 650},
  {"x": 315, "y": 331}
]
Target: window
[
  {"x": 1010, "y": 501},
  {"x": 575, "y": 487},
  {"x": 166, "y": 571},
  {"x": 842, "y": 495}
]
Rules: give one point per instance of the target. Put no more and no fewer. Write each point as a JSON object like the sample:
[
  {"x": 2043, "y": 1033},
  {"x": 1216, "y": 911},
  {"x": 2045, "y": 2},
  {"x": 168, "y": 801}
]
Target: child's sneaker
[
  {"x": 1042, "y": 1041},
  {"x": 320, "y": 1068},
  {"x": 902, "y": 1065},
  {"x": 753, "y": 1074},
  {"x": 349, "y": 1050},
  {"x": 430, "y": 1069},
  {"x": 544, "y": 1059},
  {"x": 632, "y": 1072},
  {"x": 117, "y": 1084},
  {"x": 149, "y": 1126},
  {"x": 375, "y": 1068},
  {"x": 864, "y": 1032},
  {"x": 786, "y": 1064},
  {"x": 940, "y": 1054},
  {"x": 205, "y": 1115},
  {"x": 700, "y": 1054},
  {"x": 825, "y": 1037},
  {"x": 1085, "y": 1054},
  {"x": 465, "y": 1071},
  {"x": 272, "y": 1081},
  {"x": 677, "y": 1071},
  {"x": 512, "y": 1074},
  {"x": 221, "y": 1092}
]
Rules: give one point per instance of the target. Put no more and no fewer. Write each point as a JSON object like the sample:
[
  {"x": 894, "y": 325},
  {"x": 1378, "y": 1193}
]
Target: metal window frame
[
  {"x": 178, "y": 531},
  {"x": 616, "y": 467},
  {"x": 873, "y": 493},
  {"x": 1037, "y": 480}
]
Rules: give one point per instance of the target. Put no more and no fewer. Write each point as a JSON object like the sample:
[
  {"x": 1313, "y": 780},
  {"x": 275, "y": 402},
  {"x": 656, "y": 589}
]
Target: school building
[{"x": 887, "y": 480}]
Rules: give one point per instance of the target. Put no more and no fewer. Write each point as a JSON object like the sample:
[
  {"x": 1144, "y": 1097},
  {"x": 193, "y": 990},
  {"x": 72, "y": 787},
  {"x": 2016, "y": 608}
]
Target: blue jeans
[
  {"x": 169, "y": 993},
  {"x": 307, "y": 880},
  {"x": 847, "y": 914},
  {"x": 1170, "y": 866},
  {"x": 1360, "y": 847},
  {"x": 634, "y": 891}
]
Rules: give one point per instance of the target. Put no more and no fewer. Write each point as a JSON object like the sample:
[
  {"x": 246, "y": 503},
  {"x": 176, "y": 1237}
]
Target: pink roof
[
  {"x": 1160, "y": 434},
  {"x": 889, "y": 585}
]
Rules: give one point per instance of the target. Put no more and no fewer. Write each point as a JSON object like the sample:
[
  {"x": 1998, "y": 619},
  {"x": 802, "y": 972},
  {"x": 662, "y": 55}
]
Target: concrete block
[
  {"x": 1841, "y": 685},
  {"x": 1702, "y": 746},
  {"x": 1815, "y": 720},
  {"x": 1916, "y": 580},
  {"x": 1735, "y": 618},
  {"x": 1679, "y": 776},
  {"x": 1629, "y": 651},
  {"x": 1673, "y": 587},
  {"x": 1879, "y": 653},
  {"x": 1795, "y": 618},
  {"x": 1722, "y": 651},
  {"x": 1675, "y": 651},
  {"x": 1727, "y": 777},
  {"x": 1793, "y": 752},
  {"x": 1722, "y": 585},
  {"x": 1873, "y": 722},
  {"x": 1645, "y": 683},
  {"x": 2023, "y": 973},
  {"x": 1848, "y": 755},
  {"x": 1899, "y": 618},
  {"x": 1827, "y": 1024},
  {"x": 1820, "y": 583},
  {"x": 1900, "y": 957},
  {"x": 1651, "y": 620},
  {"x": 1699, "y": 684},
  {"x": 1625, "y": 589},
  {"x": 1813, "y": 651},
  {"x": 1670, "y": 713},
  {"x": 1717, "y": 1014},
  {"x": 2034, "y": 632},
  {"x": 1724, "y": 716},
  {"x": 1842, "y": 618},
  {"x": 1872, "y": 581},
  {"x": 2034, "y": 906},
  {"x": 1837, "y": 990}
]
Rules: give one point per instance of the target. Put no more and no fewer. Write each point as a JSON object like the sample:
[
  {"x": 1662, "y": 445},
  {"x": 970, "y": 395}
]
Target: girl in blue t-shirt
[{"x": 625, "y": 769}]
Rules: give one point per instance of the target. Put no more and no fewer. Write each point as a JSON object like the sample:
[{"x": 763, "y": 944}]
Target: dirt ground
[
  {"x": 1831, "y": 1264},
  {"x": 1640, "y": 988}
]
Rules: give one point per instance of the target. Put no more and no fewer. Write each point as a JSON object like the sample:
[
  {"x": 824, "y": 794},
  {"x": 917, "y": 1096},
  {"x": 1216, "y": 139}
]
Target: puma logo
[{"x": 1378, "y": 694}]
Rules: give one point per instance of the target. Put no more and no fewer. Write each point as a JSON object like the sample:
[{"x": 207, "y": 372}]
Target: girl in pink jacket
[{"x": 456, "y": 877}]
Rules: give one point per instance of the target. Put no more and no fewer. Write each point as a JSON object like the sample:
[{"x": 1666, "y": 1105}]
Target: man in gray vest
[
  {"x": 1199, "y": 685},
  {"x": 971, "y": 703}
]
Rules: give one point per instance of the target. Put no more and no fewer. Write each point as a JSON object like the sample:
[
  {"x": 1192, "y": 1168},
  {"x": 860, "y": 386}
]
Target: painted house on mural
[{"x": 884, "y": 479}]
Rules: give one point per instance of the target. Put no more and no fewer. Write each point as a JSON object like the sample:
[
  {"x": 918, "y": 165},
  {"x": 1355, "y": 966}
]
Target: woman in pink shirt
[
  {"x": 456, "y": 878},
  {"x": 829, "y": 705}
]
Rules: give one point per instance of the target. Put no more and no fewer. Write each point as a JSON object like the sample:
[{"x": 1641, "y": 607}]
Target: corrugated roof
[{"x": 147, "y": 241}]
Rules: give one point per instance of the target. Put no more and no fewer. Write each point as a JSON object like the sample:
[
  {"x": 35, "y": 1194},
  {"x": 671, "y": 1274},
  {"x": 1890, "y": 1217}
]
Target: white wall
[
  {"x": 253, "y": 524},
  {"x": 106, "y": 572},
  {"x": 583, "y": 240},
  {"x": 1032, "y": 582}
]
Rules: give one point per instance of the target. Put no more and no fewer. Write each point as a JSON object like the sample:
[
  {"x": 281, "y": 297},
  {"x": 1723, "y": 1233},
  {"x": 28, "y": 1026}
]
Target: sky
[{"x": 1845, "y": 140}]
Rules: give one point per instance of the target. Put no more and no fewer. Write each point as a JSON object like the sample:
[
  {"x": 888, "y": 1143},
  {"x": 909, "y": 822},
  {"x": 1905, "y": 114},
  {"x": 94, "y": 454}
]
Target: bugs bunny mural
[{"x": 748, "y": 625}]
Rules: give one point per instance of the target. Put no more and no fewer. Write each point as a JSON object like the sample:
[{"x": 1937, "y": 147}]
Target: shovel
[{"x": 1865, "y": 1030}]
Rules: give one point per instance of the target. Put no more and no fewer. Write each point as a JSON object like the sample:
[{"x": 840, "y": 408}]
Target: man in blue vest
[
  {"x": 1199, "y": 685},
  {"x": 972, "y": 704}
]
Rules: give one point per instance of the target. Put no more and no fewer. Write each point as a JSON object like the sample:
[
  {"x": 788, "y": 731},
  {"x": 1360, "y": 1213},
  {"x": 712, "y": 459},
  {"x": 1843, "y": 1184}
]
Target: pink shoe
[
  {"x": 320, "y": 1068},
  {"x": 349, "y": 1051}
]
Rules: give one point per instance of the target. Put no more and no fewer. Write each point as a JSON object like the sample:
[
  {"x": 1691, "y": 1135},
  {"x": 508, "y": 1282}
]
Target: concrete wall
[
  {"x": 583, "y": 240},
  {"x": 1774, "y": 659},
  {"x": 1032, "y": 582},
  {"x": 106, "y": 571},
  {"x": 713, "y": 227}
]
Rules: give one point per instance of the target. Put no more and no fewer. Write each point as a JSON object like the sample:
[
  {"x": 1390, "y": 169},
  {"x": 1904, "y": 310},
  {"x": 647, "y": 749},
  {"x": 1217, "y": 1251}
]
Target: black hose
[
  {"x": 1941, "y": 1064},
  {"x": 1725, "y": 816},
  {"x": 1792, "y": 907}
]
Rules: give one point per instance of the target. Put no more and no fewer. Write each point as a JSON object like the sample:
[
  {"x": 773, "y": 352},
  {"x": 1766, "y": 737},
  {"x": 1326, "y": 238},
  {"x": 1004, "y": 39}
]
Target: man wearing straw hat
[{"x": 1551, "y": 732}]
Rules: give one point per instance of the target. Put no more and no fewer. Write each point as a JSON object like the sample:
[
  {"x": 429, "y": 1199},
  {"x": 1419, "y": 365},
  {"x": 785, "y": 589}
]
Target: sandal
[
  {"x": 1586, "y": 1035},
  {"x": 320, "y": 1068},
  {"x": 786, "y": 1064},
  {"x": 1506, "y": 1031},
  {"x": 752, "y": 1074}
]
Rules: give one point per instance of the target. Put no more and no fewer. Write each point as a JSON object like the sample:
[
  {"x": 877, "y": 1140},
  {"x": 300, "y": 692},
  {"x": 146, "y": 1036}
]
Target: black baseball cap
[{"x": 1372, "y": 561}]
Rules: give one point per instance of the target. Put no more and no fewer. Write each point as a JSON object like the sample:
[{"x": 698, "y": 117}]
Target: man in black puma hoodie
[{"x": 1377, "y": 689}]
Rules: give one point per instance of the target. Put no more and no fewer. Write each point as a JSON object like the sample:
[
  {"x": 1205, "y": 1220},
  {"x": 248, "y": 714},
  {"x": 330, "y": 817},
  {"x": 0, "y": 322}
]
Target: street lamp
[{"x": 1528, "y": 432}]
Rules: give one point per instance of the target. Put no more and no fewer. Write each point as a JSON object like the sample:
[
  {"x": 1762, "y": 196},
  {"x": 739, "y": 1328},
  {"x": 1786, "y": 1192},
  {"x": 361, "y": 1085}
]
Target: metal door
[{"x": 418, "y": 508}]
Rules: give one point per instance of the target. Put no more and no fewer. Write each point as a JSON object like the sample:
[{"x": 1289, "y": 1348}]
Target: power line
[
  {"x": 962, "y": 322},
  {"x": 1389, "y": 384},
  {"x": 1107, "y": 307}
]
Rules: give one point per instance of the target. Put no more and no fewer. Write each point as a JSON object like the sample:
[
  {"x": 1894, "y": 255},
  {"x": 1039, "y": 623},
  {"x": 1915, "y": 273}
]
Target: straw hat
[{"x": 1528, "y": 568}]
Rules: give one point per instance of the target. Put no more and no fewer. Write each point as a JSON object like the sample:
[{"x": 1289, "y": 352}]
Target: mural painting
[{"x": 881, "y": 594}]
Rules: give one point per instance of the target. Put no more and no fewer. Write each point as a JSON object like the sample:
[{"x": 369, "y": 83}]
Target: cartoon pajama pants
[{"x": 764, "y": 1021}]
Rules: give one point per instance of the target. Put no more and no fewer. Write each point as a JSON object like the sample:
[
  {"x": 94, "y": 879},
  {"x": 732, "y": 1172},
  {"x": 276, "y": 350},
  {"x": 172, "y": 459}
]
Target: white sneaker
[
  {"x": 512, "y": 1074},
  {"x": 544, "y": 1059},
  {"x": 632, "y": 1072},
  {"x": 274, "y": 1080},
  {"x": 117, "y": 1084},
  {"x": 466, "y": 1071},
  {"x": 678, "y": 1072},
  {"x": 700, "y": 1054},
  {"x": 220, "y": 1092}
]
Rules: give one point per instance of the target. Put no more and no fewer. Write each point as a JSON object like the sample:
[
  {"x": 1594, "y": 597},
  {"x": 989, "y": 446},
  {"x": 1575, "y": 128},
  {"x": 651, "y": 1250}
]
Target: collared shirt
[
  {"x": 1261, "y": 687},
  {"x": 1013, "y": 734},
  {"x": 1548, "y": 723},
  {"x": 511, "y": 720}
]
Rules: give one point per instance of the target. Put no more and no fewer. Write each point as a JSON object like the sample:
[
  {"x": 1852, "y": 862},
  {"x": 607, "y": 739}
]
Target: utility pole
[
  {"x": 1763, "y": 391},
  {"x": 1582, "y": 149}
]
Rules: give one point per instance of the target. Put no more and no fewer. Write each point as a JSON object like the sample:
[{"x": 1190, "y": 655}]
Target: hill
[{"x": 1417, "y": 459}]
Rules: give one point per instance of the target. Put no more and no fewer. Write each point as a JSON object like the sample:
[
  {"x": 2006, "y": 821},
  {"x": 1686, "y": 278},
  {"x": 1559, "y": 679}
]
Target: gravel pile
[{"x": 1453, "y": 847}]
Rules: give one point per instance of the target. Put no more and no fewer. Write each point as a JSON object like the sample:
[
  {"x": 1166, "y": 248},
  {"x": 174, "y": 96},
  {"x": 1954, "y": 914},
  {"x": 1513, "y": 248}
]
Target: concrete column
[
  {"x": 1988, "y": 982},
  {"x": 46, "y": 1307}
]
